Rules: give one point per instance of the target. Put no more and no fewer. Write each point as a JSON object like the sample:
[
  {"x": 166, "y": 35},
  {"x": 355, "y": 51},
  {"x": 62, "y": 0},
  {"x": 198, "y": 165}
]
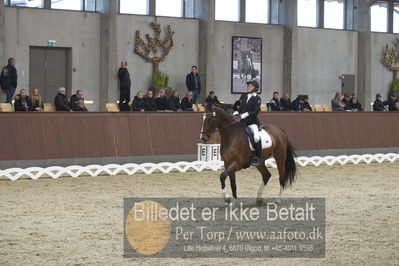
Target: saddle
[{"x": 265, "y": 138}]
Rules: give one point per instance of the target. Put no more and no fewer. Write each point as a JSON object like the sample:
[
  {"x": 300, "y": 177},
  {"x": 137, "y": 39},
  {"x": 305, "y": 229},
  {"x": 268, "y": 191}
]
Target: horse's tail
[{"x": 290, "y": 165}]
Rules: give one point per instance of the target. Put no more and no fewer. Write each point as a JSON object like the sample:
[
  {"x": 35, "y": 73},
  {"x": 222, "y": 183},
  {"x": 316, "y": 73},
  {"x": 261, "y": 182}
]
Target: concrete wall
[
  {"x": 320, "y": 57},
  {"x": 182, "y": 56},
  {"x": 78, "y": 30},
  {"x": 272, "y": 57}
]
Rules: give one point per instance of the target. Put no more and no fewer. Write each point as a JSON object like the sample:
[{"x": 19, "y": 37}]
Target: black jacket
[
  {"x": 285, "y": 105},
  {"x": 138, "y": 104},
  {"x": 150, "y": 104},
  {"x": 378, "y": 106},
  {"x": 124, "y": 78},
  {"x": 174, "y": 103},
  {"x": 252, "y": 107},
  {"x": 74, "y": 101},
  {"x": 61, "y": 103},
  {"x": 213, "y": 101},
  {"x": 391, "y": 104},
  {"x": 274, "y": 104},
  {"x": 78, "y": 109},
  {"x": 186, "y": 103},
  {"x": 357, "y": 106},
  {"x": 162, "y": 103},
  {"x": 190, "y": 82},
  {"x": 8, "y": 77},
  {"x": 19, "y": 105},
  {"x": 297, "y": 106}
]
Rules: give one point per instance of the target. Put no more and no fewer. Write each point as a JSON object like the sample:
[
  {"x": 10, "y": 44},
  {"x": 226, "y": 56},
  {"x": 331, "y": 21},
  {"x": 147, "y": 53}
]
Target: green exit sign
[{"x": 51, "y": 43}]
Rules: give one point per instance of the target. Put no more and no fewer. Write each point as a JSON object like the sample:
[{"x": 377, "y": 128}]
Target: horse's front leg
[{"x": 223, "y": 176}]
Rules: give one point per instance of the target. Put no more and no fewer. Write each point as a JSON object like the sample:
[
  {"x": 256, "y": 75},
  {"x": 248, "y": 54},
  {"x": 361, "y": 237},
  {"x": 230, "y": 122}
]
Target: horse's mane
[{"x": 225, "y": 111}]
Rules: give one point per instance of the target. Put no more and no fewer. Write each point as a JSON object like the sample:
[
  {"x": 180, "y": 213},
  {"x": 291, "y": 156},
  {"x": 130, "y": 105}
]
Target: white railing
[{"x": 149, "y": 168}]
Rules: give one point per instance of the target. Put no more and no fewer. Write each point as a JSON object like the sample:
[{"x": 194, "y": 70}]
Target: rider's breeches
[{"x": 255, "y": 130}]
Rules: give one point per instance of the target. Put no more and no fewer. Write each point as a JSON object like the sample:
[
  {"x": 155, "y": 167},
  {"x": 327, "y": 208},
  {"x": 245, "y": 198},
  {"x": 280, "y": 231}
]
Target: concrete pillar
[
  {"x": 288, "y": 16},
  {"x": 361, "y": 23},
  {"x": 108, "y": 48},
  {"x": 204, "y": 10},
  {"x": 2, "y": 31}
]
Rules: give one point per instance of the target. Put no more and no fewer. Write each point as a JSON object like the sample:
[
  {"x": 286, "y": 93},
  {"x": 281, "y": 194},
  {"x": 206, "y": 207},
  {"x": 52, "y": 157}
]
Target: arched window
[
  {"x": 169, "y": 8},
  {"x": 379, "y": 16},
  {"x": 257, "y": 11},
  {"x": 140, "y": 7},
  {"x": 307, "y": 13},
  {"x": 334, "y": 14},
  {"x": 227, "y": 10}
]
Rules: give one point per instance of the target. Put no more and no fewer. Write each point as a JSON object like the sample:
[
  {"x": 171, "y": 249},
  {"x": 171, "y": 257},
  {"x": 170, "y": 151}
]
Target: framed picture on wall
[{"x": 246, "y": 63}]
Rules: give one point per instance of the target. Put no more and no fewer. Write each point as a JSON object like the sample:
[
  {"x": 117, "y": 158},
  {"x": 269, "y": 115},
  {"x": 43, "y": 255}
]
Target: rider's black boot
[{"x": 256, "y": 159}]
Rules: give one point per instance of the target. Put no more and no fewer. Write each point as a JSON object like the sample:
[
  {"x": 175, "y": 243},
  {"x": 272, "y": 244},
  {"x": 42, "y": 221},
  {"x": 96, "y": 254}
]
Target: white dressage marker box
[{"x": 208, "y": 152}]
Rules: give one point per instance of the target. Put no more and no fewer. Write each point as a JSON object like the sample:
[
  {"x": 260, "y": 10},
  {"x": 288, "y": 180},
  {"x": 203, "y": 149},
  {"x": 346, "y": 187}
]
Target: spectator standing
[
  {"x": 78, "y": 96},
  {"x": 337, "y": 104},
  {"x": 80, "y": 106},
  {"x": 138, "y": 102},
  {"x": 285, "y": 103},
  {"x": 354, "y": 105},
  {"x": 8, "y": 79},
  {"x": 61, "y": 101},
  {"x": 212, "y": 98},
  {"x": 21, "y": 101},
  {"x": 298, "y": 104},
  {"x": 174, "y": 101},
  {"x": 149, "y": 102},
  {"x": 274, "y": 104},
  {"x": 390, "y": 103},
  {"x": 124, "y": 87},
  {"x": 237, "y": 104},
  {"x": 378, "y": 106},
  {"x": 36, "y": 101},
  {"x": 187, "y": 102},
  {"x": 193, "y": 83},
  {"x": 161, "y": 101}
]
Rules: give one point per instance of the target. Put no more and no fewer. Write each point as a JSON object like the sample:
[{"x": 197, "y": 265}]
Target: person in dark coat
[
  {"x": 61, "y": 101},
  {"x": 80, "y": 106},
  {"x": 378, "y": 106},
  {"x": 149, "y": 102},
  {"x": 124, "y": 87},
  {"x": 193, "y": 83},
  {"x": 174, "y": 101},
  {"x": 274, "y": 104},
  {"x": 21, "y": 101},
  {"x": 161, "y": 101},
  {"x": 36, "y": 101},
  {"x": 237, "y": 104},
  {"x": 138, "y": 103},
  {"x": 306, "y": 104},
  {"x": 76, "y": 98},
  {"x": 285, "y": 103},
  {"x": 354, "y": 105},
  {"x": 396, "y": 107},
  {"x": 187, "y": 102},
  {"x": 8, "y": 79},
  {"x": 297, "y": 104},
  {"x": 212, "y": 98},
  {"x": 248, "y": 111},
  {"x": 347, "y": 100},
  {"x": 390, "y": 103}
]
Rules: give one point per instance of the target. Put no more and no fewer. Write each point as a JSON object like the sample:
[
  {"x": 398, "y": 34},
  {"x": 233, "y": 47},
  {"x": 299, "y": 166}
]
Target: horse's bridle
[{"x": 214, "y": 130}]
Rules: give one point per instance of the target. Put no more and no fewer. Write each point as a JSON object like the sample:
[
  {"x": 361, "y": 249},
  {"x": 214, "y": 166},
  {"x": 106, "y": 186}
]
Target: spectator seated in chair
[
  {"x": 21, "y": 101},
  {"x": 174, "y": 101},
  {"x": 237, "y": 104},
  {"x": 378, "y": 106},
  {"x": 285, "y": 103},
  {"x": 187, "y": 102},
  {"x": 274, "y": 104},
  {"x": 298, "y": 104},
  {"x": 75, "y": 98},
  {"x": 161, "y": 101},
  {"x": 149, "y": 102},
  {"x": 346, "y": 100},
  {"x": 396, "y": 107},
  {"x": 390, "y": 103},
  {"x": 337, "y": 104},
  {"x": 36, "y": 101},
  {"x": 138, "y": 104},
  {"x": 61, "y": 101},
  {"x": 306, "y": 105},
  {"x": 354, "y": 105},
  {"x": 80, "y": 106},
  {"x": 212, "y": 98}
]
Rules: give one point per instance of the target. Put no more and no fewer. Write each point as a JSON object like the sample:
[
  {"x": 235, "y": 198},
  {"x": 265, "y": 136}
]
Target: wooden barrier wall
[{"x": 29, "y": 136}]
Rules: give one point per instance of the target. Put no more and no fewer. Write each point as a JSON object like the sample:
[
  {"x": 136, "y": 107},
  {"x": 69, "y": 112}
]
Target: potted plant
[
  {"x": 395, "y": 86},
  {"x": 160, "y": 81}
]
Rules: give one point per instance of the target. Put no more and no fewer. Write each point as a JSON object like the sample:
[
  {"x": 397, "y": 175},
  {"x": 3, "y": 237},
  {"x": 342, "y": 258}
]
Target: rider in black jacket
[{"x": 248, "y": 111}]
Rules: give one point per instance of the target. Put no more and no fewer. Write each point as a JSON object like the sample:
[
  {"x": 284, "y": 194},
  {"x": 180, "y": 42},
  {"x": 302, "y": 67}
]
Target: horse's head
[{"x": 212, "y": 120}]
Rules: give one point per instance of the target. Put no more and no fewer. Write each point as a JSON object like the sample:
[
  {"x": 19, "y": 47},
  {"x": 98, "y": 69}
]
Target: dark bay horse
[{"x": 236, "y": 154}]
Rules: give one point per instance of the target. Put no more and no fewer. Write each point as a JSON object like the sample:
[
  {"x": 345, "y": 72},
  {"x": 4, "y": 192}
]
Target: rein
[{"x": 213, "y": 130}]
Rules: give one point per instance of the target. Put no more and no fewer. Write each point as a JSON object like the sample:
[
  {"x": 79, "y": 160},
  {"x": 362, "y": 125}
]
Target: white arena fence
[{"x": 149, "y": 168}]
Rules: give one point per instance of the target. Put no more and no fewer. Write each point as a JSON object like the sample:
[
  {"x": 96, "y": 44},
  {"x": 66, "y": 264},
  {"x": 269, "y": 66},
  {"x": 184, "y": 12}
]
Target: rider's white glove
[
  {"x": 244, "y": 115},
  {"x": 235, "y": 113}
]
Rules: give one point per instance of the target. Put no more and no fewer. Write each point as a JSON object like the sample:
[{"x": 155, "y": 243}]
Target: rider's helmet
[{"x": 255, "y": 83}]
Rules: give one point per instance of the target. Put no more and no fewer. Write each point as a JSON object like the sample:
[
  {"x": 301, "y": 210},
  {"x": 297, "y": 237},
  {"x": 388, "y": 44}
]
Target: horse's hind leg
[
  {"x": 280, "y": 158},
  {"x": 265, "y": 178},
  {"x": 233, "y": 184}
]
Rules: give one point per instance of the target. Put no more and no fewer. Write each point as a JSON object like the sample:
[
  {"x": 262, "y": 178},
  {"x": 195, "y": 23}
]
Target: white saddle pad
[{"x": 264, "y": 138}]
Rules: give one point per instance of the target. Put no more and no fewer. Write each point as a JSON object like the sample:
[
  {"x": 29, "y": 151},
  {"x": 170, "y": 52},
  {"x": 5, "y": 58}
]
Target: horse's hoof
[
  {"x": 227, "y": 201},
  {"x": 259, "y": 202}
]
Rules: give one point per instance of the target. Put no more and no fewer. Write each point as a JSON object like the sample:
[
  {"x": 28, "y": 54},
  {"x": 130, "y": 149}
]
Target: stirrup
[{"x": 255, "y": 161}]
